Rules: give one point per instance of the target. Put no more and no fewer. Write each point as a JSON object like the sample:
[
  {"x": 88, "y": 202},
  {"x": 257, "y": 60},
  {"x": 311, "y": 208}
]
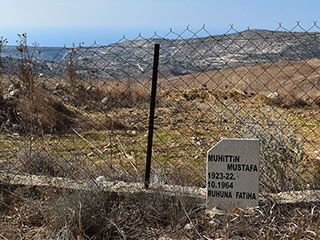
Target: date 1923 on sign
[{"x": 221, "y": 176}]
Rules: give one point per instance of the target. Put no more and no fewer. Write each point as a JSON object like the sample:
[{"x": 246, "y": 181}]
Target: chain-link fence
[{"x": 82, "y": 113}]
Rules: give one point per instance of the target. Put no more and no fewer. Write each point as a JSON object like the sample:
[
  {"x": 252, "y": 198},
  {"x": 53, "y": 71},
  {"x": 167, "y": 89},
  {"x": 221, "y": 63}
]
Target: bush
[{"x": 284, "y": 163}]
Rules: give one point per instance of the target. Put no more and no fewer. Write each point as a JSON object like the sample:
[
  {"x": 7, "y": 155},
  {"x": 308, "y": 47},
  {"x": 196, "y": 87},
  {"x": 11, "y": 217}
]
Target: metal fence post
[{"x": 151, "y": 116}]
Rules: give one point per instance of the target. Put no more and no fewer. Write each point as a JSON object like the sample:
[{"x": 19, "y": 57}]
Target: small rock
[
  {"x": 101, "y": 179},
  {"x": 14, "y": 93},
  {"x": 105, "y": 100},
  {"x": 91, "y": 89},
  {"x": 188, "y": 226},
  {"x": 16, "y": 135},
  {"x": 212, "y": 222},
  {"x": 65, "y": 99},
  {"x": 11, "y": 88},
  {"x": 131, "y": 158},
  {"x": 11, "y": 95},
  {"x": 273, "y": 95}
]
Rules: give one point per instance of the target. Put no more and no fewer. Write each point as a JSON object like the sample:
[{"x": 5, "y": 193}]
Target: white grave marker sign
[{"x": 233, "y": 174}]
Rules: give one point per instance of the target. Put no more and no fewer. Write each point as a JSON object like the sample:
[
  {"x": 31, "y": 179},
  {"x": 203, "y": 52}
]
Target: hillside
[
  {"x": 177, "y": 56},
  {"x": 296, "y": 82}
]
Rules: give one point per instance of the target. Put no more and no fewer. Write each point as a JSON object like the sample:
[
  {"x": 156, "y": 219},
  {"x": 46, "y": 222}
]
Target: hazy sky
[{"x": 59, "y": 22}]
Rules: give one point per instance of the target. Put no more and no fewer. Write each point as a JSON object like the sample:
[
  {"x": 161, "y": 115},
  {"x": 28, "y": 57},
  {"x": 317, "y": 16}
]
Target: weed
[
  {"x": 37, "y": 163},
  {"x": 3, "y": 42}
]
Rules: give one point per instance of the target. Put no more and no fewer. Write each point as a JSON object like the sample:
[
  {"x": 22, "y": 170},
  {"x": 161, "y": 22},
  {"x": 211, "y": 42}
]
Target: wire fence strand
[{"x": 82, "y": 112}]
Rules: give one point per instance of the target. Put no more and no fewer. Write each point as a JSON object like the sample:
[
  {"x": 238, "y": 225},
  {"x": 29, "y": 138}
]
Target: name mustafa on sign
[{"x": 233, "y": 174}]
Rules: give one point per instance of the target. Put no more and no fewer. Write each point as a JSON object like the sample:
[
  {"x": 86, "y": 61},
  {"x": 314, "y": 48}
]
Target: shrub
[{"x": 284, "y": 163}]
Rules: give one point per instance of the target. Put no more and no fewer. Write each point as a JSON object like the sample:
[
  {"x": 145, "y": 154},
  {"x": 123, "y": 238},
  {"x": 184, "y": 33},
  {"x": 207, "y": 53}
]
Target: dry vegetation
[
  {"x": 82, "y": 130},
  {"x": 47, "y": 213},
  {"x": 297, "y": 83}
]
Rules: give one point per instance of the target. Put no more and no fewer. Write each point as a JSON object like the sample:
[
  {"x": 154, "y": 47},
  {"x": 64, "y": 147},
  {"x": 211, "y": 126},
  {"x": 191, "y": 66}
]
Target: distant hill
[{"x": 178, "y": 57}]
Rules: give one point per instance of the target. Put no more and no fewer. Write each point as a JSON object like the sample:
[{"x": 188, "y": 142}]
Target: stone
[
  {"x": 273, "y": 95},
  {"x": 101, "y": 179},
  {"x": 90, "y": 154},
  {"x": 12, "y": 94},
  {"x": 131, "y": 158},
  {"x": 233, "y": 174},
  {"x": 188, "y": 226},
  {"x": 91, "y": 89},
  {"x": 11, "y": 88},
  {"x": 105, "y": 100},
  {"x": 274, "y": 98}
]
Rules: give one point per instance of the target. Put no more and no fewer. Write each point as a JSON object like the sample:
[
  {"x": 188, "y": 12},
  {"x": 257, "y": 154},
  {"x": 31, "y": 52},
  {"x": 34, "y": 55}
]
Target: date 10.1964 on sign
[{"x": 220, "y": 185}]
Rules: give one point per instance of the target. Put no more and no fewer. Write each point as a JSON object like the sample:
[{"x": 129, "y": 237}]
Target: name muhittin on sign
[{"x": 233, "y": 174}]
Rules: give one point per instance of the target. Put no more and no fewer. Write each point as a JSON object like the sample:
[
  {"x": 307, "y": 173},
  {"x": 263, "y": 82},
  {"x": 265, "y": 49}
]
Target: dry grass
[
  {"x": 126, "y": 94},
  {"x": 44, "y": 114},
  {"x": 272, "y": 221},
  {"x": 42, "y": 213},
  {"x": 98, "y": 215},
  {"x": 188, "y": 123},
  {"x": 297, "y": 83},
  {"x": 38, "y": 111}
]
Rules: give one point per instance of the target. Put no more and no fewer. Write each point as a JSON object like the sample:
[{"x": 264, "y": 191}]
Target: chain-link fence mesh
[{"x": 82, "y": 112}]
